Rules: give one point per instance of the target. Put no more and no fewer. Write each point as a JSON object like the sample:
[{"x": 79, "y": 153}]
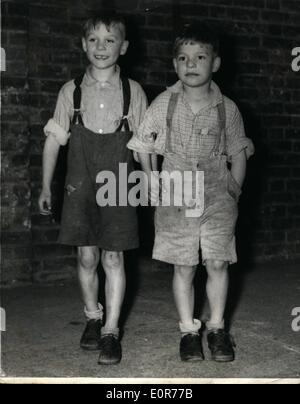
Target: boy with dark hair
[
  {"x": 97, "y": 113},
  {"x": 196, "y": 128}
]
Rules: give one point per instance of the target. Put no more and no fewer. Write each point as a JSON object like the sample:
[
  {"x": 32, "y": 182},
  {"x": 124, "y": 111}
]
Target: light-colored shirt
[
  {"x": 192, "y": 135},
  {"x": 101, "y": 107}
]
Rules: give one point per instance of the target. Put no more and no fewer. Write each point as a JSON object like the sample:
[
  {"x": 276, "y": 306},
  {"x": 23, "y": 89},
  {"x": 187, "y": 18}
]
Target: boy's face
[
  {"x": 195, "y": 63},
  {"x": 104, "y": 47}
]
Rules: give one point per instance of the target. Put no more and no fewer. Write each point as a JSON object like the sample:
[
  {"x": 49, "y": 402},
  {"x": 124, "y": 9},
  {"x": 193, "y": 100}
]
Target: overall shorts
[
  {"x": 179, "y": 235},
  {"x": 84, "y": 222}
]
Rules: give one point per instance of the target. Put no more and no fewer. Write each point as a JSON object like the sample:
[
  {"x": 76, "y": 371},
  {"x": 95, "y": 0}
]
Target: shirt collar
[
  {"x": 217, "y": 95},
  {"x": 114, "y": 82}
]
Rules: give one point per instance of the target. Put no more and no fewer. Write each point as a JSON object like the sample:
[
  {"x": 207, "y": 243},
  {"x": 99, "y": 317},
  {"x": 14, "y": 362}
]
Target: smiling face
[
  {"x": 195, "y": 63},
  {"x": 103, "y": 46}
]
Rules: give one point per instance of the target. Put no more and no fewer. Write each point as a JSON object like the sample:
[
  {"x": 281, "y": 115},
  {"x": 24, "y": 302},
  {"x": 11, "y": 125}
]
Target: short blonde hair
[
  {"x": 109, "y": 20},
  {"x": 199, "y": 33}
]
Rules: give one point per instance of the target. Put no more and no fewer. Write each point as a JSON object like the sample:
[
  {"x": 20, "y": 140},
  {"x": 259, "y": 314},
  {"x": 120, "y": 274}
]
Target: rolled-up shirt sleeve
[
  {"x": 138, "y": 107},
  {"x": 59, "y": 125},
  {"x": 236, "y": 137},
  {"x": 145, "y": 140}
]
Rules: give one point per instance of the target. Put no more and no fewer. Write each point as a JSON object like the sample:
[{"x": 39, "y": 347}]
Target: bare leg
[
  {"x": 219, "y": 341},
  {"x": 88, "y": 260},
  {"x": 217, "y": 289},
  {"x": 184, "y": 293},
  {"x": 113, "y": 264}
]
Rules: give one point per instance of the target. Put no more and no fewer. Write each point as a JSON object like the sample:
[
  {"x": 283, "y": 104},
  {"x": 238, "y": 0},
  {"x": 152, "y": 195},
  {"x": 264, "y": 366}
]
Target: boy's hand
[{"x": 45, "y": 203}]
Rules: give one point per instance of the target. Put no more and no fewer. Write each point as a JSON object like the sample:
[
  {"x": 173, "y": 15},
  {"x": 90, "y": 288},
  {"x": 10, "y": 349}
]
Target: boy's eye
[
  {"x": 110, "y": 41},
  {"x": 181, "y": 58},
  {"x": 201, "y": 57},
  {"x": 92, "y": 39}
]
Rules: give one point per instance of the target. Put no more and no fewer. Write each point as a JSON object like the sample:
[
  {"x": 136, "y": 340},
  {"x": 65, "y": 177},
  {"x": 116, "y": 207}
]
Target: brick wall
[
  {"x": 15, "y": 145},
  {"x": 43, "y": 52}
]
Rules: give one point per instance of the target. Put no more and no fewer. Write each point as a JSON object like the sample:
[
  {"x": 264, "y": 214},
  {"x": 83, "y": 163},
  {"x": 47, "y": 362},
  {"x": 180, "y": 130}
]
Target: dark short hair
[
  {"x": 108, "y": 19},
  {"x": 201, "y": 33}
]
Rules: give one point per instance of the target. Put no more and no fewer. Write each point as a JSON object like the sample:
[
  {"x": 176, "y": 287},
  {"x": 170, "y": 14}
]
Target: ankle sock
[
  {"x": 110, "y": 331},
  {"x": 215, "y": 326},
  {"x": 94, "y": 315},
  {"x": 186, "y": 329}
]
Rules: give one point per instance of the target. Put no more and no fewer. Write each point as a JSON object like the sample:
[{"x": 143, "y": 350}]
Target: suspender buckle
[{"x": 77, "y": 117}]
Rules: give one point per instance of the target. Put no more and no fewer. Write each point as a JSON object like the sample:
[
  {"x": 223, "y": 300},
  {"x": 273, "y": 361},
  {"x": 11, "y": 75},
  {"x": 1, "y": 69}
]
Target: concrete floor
[{"x": 44, "y": 325}]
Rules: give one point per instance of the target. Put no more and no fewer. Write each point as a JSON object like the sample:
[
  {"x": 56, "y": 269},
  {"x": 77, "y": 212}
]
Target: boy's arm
[
  {"x": 152, "y": 186},
  {"x": 153, "y": 122},
  {"x": 57, "y": 132},
  {"x": 154, "y": 162},
  {"x": 238, "y": 167},
  {"x": 50, "y": 156},
  {"x": 145, "y": 160},
  {"x": 239, "y": 147},
  {"x": 143, "y": 141}
]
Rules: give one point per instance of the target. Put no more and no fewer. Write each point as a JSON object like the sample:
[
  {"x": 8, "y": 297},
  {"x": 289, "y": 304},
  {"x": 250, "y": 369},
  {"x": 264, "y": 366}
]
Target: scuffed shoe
[
  {"x": 110, "y": 350},
  {"x": 90, "y": 340},
  {"x": 221, "y": 345},
  {"x": 191, "y": 348}
]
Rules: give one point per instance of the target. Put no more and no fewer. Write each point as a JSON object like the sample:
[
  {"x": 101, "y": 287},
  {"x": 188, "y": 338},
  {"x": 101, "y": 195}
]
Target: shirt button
[
  {"x": 101, "y": 106},
  {"x": 100, "y": 131}
]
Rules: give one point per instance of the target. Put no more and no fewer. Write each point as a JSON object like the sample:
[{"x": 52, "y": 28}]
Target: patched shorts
[{"x": 179, "y": 239}]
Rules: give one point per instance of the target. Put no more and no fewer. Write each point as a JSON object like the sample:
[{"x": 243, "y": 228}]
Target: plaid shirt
[
  {"x": 193, "y": 135},
  {"x": 101, "y": 107}
]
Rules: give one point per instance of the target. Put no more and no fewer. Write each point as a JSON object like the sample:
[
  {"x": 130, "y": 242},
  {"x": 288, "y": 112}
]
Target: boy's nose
[
  {"x": 101, "y": 45},
  {"x": 191, "y": 63}
]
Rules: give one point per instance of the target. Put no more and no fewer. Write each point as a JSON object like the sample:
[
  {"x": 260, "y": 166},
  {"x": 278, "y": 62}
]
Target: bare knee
[
  {"x": 112, "y": 261},
  {"x": 185, "y": 272},
  {"x": 88, "y": 258},
  {"x": 215, "y": 267}
]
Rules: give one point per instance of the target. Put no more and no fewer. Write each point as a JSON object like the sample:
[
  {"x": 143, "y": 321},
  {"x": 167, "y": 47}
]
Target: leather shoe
[
  {"x": 110, "y": 350},
  {"x": 90, "y": 340},
  {"x": 191, "y": 348},
  {"x": 221, "y": 345}
]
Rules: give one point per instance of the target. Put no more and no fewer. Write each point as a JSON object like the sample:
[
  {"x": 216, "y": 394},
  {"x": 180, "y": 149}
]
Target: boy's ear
[
  {"x": 175, "y": 64},
  {"x": 124, "y": 47},
  {"x": 84, "y": 47},
  {"x": 217, "y": 64}
]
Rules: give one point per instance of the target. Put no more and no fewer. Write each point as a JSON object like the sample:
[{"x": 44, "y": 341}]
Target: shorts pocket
[{"x": 233, "y": 188}]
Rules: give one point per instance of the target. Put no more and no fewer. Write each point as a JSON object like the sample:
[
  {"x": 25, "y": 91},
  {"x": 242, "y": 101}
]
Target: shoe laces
[
  {"x": 108, "y": 340},
  {"x": 222, "y": 338}
]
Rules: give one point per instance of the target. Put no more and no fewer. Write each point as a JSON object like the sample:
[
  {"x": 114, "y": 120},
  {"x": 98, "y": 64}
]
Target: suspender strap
[
  {"x": 126, "y": 95},
  {"x": 222, "y": 114},
  {"x": 126, "y": 101},
  {"x": 222, "y": 117},
  {"x": 171, "y": 109},
  {"x": 77, "y": 118},
  {"x": 221, "y": 138}
]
